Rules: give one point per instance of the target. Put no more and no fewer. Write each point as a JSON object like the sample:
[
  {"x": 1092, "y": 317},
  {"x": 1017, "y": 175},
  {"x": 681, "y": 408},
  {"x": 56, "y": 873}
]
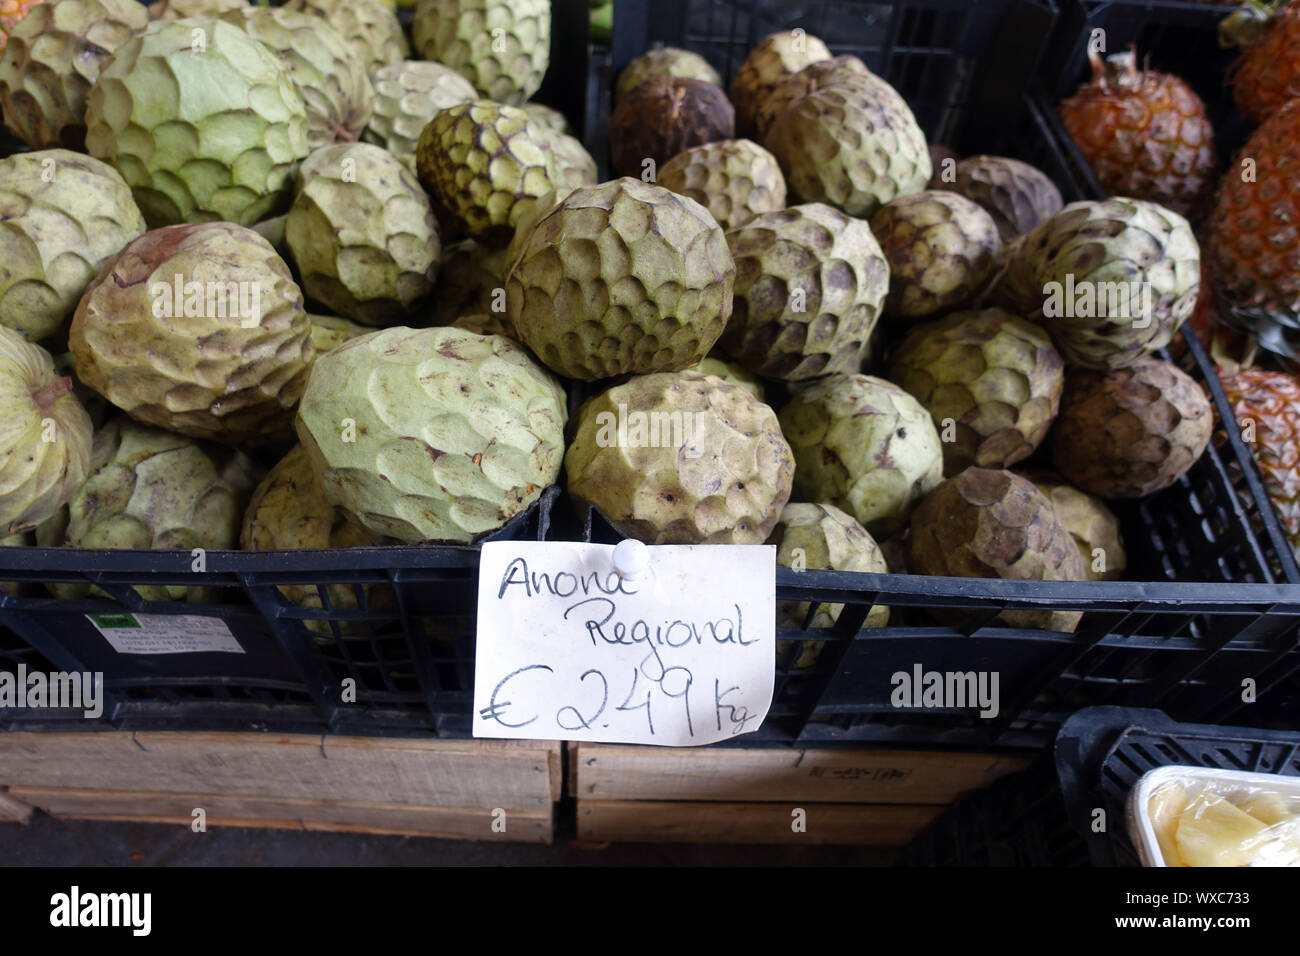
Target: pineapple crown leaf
[{"x": 1244, "y": 26}]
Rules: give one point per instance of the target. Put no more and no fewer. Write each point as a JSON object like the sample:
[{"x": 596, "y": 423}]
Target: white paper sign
[
  {"x": 165, "y": 633},
  {"x": 567, "y": 649}
]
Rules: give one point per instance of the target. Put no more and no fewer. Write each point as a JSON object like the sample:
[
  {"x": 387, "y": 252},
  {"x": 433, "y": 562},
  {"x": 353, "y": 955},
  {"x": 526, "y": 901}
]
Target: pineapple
[
  {"x": 1145, "y": 134},
  {"x": 1268, "y": 73},
  {"x": 1253, "y": 243},
  {"x": 1165, "y": 808},
  {"x": 1267, "y": 808},
  {"x": 11, "y": 11},
  {"x": 1266, "y": 405},
  {"x": 1212, "y": 832}
]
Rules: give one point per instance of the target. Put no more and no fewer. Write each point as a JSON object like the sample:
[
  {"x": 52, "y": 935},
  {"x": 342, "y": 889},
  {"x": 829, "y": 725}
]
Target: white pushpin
[{"x": 632, "y": 561}]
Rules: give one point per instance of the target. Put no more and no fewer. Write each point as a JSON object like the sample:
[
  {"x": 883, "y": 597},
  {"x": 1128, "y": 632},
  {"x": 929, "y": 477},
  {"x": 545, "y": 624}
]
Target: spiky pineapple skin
[
  {"x": 1266, "y": 405},
  {"x": 1269, "y": 69},
  {"x": 1145, "y": 134}
]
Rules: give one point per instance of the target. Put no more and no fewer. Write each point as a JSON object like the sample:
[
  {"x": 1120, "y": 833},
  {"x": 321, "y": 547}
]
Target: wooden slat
[
  {"x": 643, "y": 821},
  {"x": 13, "y": 810},
  {"x": 521, "y": 826},
  {"x": 390, "y": 771},
  {"x": 606, "y": 772}
]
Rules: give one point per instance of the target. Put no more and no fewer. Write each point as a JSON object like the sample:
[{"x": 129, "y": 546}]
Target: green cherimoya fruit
[
  {"x": 942, "y": 250},
  {"x": 432, "y": 434},
  {"x": 735, "y": 180},
  {"x": 1128, "y": 432},
  {"x": 1094, "y": 527},
  {"x": 666, "y": 61},
  {"x": 1112, "y": 280},
  {"x": 501, "y": 46},
  {"x": 814, "y": 76},
  {"x": 370, "y": 28},
  {"x": 1017, "y": 195},
  {"x": 45, "y": 436},
  {"x": 201, "y": 121},
  {"x": 486, "y": 163},
  {"x": 362, "y": 234},
  {"x": 288, "y": 511},
  {"x": 471, "y": 280},
  {"x": 990, "y": 380},
  {"x": 154, "y": 490},
  {"x": 810, "y": 283},
  {"x": 822, "y": 537},
  {"x": 52, "y": 58},
  {"x": 62, "y": 215},
  {"x": 621, "y": 277},
  {"x": 775, "y": 58},
  {"x": 407, "y": 96},
  {"x": 332, "y": 80},
  {"x": 486, "y": 323},
  {"x": 328, "y": 332},
  {"x": 184, "y": 9},
  {"x": 730, "y": 372},
  {"x": 854, "y": 145},
  {"x": 547, "y": 116},
  {"x": 572, "y": 161},
  {"x": 865, "y": 446},
  {"x": 681, "y": 458},
  {"x": 987, "y": 523},
  {"x": 199, "y": 329}
]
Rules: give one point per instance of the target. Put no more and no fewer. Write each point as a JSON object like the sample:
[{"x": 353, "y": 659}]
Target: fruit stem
[{"x": 46, "y": 396}]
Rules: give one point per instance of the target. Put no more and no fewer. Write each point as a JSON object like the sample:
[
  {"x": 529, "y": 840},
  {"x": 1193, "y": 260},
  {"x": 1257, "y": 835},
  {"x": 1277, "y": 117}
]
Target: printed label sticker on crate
[
  {"x": 672, "y": 645},
  {"x": 165, "y": 633}
]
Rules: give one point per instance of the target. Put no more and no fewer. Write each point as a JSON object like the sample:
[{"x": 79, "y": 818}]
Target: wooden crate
[
  {"x": 443, "y": 788},
  {"x": 880, "y": 798}
]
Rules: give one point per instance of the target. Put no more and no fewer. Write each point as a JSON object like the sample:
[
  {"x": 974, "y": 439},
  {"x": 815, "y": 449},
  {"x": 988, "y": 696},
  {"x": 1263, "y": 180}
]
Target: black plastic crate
[
  {"x": 1102, "y": 752},
  {"x": 398, "y": 663}
]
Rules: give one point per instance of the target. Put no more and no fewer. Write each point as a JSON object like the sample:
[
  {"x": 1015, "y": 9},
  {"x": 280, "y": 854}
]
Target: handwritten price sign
[{"x": 680, "y": 653}]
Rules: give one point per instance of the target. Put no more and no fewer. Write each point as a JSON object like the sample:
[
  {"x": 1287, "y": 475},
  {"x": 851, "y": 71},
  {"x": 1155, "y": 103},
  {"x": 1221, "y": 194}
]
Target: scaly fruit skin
[
  {"x": 12, "y": 12},
  {"x": 328, "y": 332},
  {"x": 216, "y": 360},
  {"x": 1093, "y": 526},
  {"x": 942, "y": 250},
  {"x": 486, "y": 323},
  {"x": 501, "y": 46},
  {"x": 621, "y": 277},
  {"x": 202, "y": 135},
  {"x": 45, "y": 436},
  {"x": 1015, "y": 194},
  {"x": 855, "y": 146},
  {"x": 432, "y": 434},
  {"x": 814, "y": 76},
  {"x": 1268, "y": 403},
  {"x": 1254, "y": 247},
  {"x": 659, "y": 118},
  {"x": 52, "y": 58},
  {"x": 407, "y": 96},
  {"x": 735, "y": 180},
  {"x": 776, "y": 57},
  {"x": 333, "y": 82},
  {"x": 370, "y": 28},
  {"x": 547, "y": 116},
  {"x": 668, "y": 61},
  {"x": 1266, "y": 76},
  {"x": 730, "y": 372},
  {"x": 1099, "y": 250},
  {"x": 722, "y": 478},
  {"x": 573, "y": 163},
  {"x": 1145, "y": 134},
  {"x": 829, "y": 540},
  {"x": 810, "y": 283},
  {"x": 471, "y": 280},
  {"x": 288, "y": 511},
  {"x": 153, "y": 490},
  {"x": 486, "y": 164},
  {"x": 994, "y": 376},
  {"x": 986, "y": 523},
  {"x": 865, "y": 446},
  {"x": 184, "y": 9},
  {"x": 1132, "y": 431},
  {"x": 362, "y": 234},
  {"x": 62, "y": 214}
]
